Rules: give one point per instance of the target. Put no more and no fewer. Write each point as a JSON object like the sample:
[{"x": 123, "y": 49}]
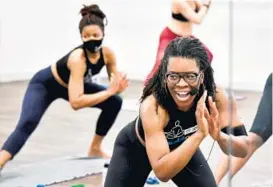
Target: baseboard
[{"x": 16, "y": 76}]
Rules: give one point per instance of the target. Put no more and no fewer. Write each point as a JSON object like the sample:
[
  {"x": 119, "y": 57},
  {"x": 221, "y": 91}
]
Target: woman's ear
[{"x": 202, "y": 78}]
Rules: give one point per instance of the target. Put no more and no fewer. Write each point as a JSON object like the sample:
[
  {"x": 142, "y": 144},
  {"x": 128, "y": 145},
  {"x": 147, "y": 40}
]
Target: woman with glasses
[{"x": 179, "y": 108}]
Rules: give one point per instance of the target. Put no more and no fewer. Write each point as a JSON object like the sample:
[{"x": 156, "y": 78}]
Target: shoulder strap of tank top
[
  {"x": 101, "y": 59},
  {"x": 86, "y": 56},
  {"x": 137, "y": 132}
]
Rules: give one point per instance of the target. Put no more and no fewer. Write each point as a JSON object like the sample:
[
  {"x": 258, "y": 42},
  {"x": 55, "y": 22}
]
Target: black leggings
[
  {"x": 262, "y": 124},
  {"x": 41, "y": 92},
  {"x": 130, "y": 166}
]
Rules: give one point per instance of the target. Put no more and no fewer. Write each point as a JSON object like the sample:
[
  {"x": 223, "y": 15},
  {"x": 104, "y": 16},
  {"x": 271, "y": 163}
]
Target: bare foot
[{"x": 98, "y": 153}]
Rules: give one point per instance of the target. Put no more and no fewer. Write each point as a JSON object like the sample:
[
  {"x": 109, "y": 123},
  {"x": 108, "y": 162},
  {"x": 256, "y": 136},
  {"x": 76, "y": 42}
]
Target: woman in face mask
[{"x": 71, "y": 79}]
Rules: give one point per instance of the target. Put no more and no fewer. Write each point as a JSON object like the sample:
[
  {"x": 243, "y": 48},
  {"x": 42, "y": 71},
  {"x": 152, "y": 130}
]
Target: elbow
[
  {"x": 162, "y": 177},
  {"x": 162, "y": 174},
  {"x": 75, "y": 105}
]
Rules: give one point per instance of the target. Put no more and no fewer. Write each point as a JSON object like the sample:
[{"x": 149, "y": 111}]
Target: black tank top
[
  {"x": 91, "y": 69},
  {"x": 180, "y": 17},
  {"x": 180, "y": 126}
]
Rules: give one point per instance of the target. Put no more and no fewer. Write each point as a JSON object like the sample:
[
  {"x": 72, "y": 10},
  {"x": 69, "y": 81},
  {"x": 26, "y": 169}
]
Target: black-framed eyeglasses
[{"x": 189, "y": 77}]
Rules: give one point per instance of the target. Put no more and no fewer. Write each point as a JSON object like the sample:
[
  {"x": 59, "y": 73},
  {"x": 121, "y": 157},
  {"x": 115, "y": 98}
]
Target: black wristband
[
  {"x": 236, "y": 131},
  {"x": 239, "y": 131},
  {"x": 227, "y": 130}
]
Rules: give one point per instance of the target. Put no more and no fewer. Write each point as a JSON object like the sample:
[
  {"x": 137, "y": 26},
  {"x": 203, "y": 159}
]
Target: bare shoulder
[
  {"x": 221, "y": 97},
  {"x": 77, "y": 54},
  {"x": 77, "y": 60},
  {"x": 76, "y": 57},
  {"x": 107, "y": 50},
  {"x": 108, "y": 54},
  {"x": 152, "y": 114},
  {"x": 148, "y": 104}
]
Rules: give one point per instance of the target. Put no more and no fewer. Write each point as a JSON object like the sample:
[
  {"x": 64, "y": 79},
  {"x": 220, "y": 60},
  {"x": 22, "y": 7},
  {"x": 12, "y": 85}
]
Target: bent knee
[
  {"x": 116, "y": 102},
  {"x": 27, "y": 125}
]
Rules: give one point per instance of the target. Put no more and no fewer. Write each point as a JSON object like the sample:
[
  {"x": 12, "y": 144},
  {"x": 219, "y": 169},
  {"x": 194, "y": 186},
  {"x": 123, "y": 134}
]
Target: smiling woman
[
  {"x": 177, "y": 112},
  {"x": 192, "y": 78}
]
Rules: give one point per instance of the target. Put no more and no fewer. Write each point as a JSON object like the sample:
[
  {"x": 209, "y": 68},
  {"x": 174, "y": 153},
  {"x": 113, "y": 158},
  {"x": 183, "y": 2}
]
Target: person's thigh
[
  {"x": 129, "y": 165},
  {"x": 197, "y": 173}
]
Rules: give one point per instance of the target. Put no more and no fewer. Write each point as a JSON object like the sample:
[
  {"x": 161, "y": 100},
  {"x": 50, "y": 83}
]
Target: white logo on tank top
[
  {"x": 88, "y": 76},
  {"x": 178, "y": 134}
]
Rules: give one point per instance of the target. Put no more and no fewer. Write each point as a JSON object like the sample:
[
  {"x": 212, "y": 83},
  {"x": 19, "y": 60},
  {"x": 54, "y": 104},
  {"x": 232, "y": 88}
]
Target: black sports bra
[{"x": 180, "y": 17}]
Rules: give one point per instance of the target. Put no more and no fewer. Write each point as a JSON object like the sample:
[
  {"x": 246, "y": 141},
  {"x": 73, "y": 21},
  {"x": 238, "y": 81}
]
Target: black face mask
[{"x": 92, "y": 45}]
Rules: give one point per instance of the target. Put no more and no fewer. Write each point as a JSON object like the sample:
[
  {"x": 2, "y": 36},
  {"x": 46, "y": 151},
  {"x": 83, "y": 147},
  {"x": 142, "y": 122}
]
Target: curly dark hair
[{"x": 186, "y": 47}]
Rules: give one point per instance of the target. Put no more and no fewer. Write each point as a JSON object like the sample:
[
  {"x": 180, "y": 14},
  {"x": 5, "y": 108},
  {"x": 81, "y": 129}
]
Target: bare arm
[
  {"x": 111, "y": 65},
  {"x": 255, "y": 143},
  {"x": 77, "y": 98},
  {"x": 239, "y": 144},
  {"x": 165, "y": 164},
  {"x": 112, "y": 68},
  {"x": 184, "y": 8}
]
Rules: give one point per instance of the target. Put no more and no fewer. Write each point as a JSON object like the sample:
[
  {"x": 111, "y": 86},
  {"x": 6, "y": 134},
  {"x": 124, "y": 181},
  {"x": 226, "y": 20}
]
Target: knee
[
  {"x": 115, "y": 103},
  {"x": 27, "y": 126}
]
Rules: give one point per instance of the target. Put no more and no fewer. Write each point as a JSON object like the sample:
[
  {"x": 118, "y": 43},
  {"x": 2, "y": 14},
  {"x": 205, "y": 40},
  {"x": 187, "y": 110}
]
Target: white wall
[
  {"x": 33, "y": 36},
  {"x": 36, "y": 33},
  {"x": 252, "y": 34}
]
